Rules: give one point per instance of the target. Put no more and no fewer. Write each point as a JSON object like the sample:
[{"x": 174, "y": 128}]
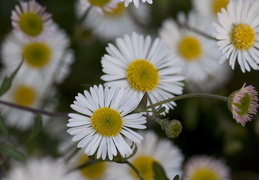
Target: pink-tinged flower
[
  {"x": 31, "y": 19},
  {"x": 243, "y": 104}
]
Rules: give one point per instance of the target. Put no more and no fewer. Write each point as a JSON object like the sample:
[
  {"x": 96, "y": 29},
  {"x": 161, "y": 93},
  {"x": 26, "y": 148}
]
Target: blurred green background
[{"x": 208, "y": 127}]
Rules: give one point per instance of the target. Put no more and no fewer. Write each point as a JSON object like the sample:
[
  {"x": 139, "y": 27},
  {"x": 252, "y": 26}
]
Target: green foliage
[
  {"x": 159, "y": 172},
  {"x": 37, "y": 126},
  {"x": 12, "y": 152},
  {"x": 3, "y": 127}
]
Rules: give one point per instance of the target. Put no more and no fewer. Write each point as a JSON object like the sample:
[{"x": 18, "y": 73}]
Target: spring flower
[
  {"x": 197, "y": 54},
  {"x": 205, "y": 167},
  {"x": 136, "y": 2},
  {"x": 143, "y": 67},
  {"x": 238, "y": 35},
  {"x": 42, "y": 59},
  {"x": 105, "y": 122},
  {"x": 120, "y": 20},
  {"x": 152, "y": 149},
  {"x": 243, "y": 104},
  {"x": 97, "y": 5},
  {"x": 209, "y": 8},
  {"x": 41, "y": 169},
  {"x": 31, "y": 19}
]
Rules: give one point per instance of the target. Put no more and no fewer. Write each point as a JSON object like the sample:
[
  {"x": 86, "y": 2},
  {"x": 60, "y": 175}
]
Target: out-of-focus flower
[
  {"x": 143, "y": 66},
  {"x": 104, "y": 122},
  {"x": 197, "y": 54},
  {"x": 115, "y": 23},
  {"x": 31, "y": 19},
  {"x": 41, "y": 169},
  {"x": 152, "y": 149},
  {"x": 238, "y": 35},
  {"x": 136, "y": 2},
  {"x": 243, "y": 104},
  {"x": 205, "y": 167}
]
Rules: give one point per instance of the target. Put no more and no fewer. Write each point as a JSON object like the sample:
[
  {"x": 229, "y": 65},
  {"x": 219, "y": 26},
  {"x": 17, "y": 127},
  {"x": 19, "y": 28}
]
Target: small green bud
[{"x": 173, "y": 129}]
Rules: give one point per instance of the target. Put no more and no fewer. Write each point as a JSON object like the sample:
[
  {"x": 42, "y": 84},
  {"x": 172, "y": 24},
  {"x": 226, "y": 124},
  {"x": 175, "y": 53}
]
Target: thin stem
[
  {"x": 191, "y": 95},
  {"x": 48, "y": 113},
  {"x": 134, "y": 169}
]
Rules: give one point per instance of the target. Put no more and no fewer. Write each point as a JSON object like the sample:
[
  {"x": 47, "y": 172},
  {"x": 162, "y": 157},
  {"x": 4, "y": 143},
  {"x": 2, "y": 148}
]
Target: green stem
[
  {"x": 191, "y": 95},
  {"x": 134, "y": 169}
]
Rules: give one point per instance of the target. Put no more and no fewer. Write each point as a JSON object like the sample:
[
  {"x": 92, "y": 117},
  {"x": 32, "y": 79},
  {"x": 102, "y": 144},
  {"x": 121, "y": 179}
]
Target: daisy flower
[
  {"x": 238, "y": 35},
  {"x": 97, "y": 5},
  {"x": 243, "y": 104},
  {"x": 152, "y": 149},
  {"x": 205, "y": 167},
  {"x": 209, "y": 8},
  {"x": 41, "y": 58},
  {"x": 197, "y": 54},
  {"x": 104, "y": 122},
  {"x": 136, "y": 2},
  {"x": 41, "y": 169},
  {"x": 120, "y": 20},
  {"x": 26, "y": 92},
  {"x": 31, "y": 19},
  {"x": 143, "y": 67}
]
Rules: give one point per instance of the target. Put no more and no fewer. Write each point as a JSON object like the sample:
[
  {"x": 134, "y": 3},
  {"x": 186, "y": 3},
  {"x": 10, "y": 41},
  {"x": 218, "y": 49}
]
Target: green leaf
[
  {"x": 159, "y": 172},
  {"x": 7, "y": 82},
  {"x": 176, "y": 177},
  {"x": 12, "y": 152},
  {"x": 142, "y": 104},
  {"x": 3, "y": 128},
  {"x": 37, "y": 126}
]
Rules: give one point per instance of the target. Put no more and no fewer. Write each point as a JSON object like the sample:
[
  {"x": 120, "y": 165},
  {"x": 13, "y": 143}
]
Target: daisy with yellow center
[
  {"x": 99, "y": 6},
  {"x": 46, "y": 59},
  {"x": 120, "y": 20},
  {"x": 136, "y": 2},
  {"x": 104, "y": 122},
  {"x": 210, "y": 8},
  {"x": 198, "y": 55},
  {"x": 152, "y": 149},
  {"x": 237, "y": 34},
  {"x": 205, "y": 167},
  {"x": 31, "y": 19},
  {"x": 143, "y": 67}
]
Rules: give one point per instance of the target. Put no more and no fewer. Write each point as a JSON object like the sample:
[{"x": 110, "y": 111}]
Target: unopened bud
[{"x": 173, "y": 129}]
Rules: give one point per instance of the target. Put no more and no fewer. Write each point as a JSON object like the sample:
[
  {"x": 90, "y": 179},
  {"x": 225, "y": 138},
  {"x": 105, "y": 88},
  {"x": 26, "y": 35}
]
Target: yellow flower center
[
  {"x": 31, "y": 24},
  {"x": 142, "y": 75},
  {"x": 93, "y": 171},
  {"x": 99, "y": 3},
  {"x": 218, "y": 4},
  {"x": 24, "y": 95},
  {"x": 243, "y": 36},
  {"x": 37, "y": 54},
  {"x": 204, "y": 174},
  {"x": 190, "y": 48},
  {"x": 116, "y": 11},
  {"x": 107, "y": 121},
  {"x": 144, "y": 166}
]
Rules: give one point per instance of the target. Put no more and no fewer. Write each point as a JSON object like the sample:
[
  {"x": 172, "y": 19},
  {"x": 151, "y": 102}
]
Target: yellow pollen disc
[
  {"x": 99, "y": 3},
  {"x": 93, "y": 171},
  {"x": 107, "y": 121},
  {"x": 24, "y": 95},
  {"x": 37, "y": 54},
  {"x": 218, "y": 4},
  {"x": 31, "y": 24},
  {"x": 142, "y": 75},
  {"x": 243, "y": 36},
  {"x": 204, "y": 174},
  {"x": 190, "y": 48},
  {"x": 116, "y": 11},
  {"x": 144, "y": 166}
]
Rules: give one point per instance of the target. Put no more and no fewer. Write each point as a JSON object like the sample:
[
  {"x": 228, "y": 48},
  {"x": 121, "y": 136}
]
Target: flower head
[
  {"x": 104, "y": 122},
  {"x": 136, "y": 2},
  {"x": 31, "y": 19},
  {"x": 205, "y": 167},
  {"x": 243, "y": 104},
  {"x": 143, "y": 67},
  {"x": 98, "y": 5},
  {"x": 238, "y": 35}
]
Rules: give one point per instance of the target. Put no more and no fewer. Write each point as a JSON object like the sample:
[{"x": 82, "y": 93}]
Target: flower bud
[{"x": 173, "y": 129}]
